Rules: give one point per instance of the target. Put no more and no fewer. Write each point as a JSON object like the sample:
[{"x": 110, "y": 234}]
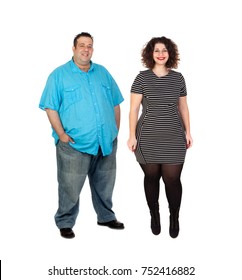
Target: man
[{"x": 82, "y": 100}]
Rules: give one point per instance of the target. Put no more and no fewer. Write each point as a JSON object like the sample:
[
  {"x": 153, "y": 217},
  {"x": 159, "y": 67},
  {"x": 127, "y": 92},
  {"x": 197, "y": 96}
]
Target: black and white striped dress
[{"x": 160, "y": 131}]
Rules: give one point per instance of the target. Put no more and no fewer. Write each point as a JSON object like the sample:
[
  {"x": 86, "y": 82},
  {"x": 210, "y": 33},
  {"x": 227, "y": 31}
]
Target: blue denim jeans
[{"x": 72, "y": 169}]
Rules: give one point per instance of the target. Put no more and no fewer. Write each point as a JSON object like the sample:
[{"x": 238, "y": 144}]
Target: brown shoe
[
  {"x": 67, "y": 233},
  {"x": 112, "y": 224}
]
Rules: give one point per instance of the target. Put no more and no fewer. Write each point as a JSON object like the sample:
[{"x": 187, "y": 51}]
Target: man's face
[{"x": 83, "y": 50}]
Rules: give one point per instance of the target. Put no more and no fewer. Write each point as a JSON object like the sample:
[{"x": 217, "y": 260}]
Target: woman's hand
[
  {"x": 189, "y": 141},
  {"x": 132, "y": 143}
]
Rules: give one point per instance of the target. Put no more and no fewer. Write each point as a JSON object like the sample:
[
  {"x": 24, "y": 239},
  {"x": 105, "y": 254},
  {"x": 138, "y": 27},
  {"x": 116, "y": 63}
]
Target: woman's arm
[
  {"x": 184, "y": 112},
  {"x": 135, "y": 101}
]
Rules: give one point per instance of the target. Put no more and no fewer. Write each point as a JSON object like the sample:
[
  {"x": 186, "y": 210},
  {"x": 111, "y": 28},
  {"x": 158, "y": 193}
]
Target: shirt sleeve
[
  {"x": 137, "y": 85},
  {"x": 51, "y": 97},
  {"x": 116, "y": 93},
  {"x": 117, "y": 96}
]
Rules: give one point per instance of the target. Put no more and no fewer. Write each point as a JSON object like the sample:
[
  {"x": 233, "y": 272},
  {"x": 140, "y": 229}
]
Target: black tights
[{"x": 170, "y": 174}]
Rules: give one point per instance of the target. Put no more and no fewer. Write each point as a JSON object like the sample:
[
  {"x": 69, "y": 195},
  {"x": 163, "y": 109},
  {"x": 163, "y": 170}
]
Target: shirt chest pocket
[
  {"x": 71, "y": 95},
  {"x": 107, "y": 93}
]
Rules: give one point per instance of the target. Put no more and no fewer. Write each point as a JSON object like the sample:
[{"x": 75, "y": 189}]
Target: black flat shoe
[
  {"x": 67, "y": 233},
  {"x": 112, "y": 224}
]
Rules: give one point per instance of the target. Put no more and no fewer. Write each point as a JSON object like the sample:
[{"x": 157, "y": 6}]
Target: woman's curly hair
[{"x": 147, "y": 53}]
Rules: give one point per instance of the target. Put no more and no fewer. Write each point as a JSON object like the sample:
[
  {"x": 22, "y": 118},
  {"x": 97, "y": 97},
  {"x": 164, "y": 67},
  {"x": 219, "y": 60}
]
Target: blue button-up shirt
[{"x": 85, "y": 102}]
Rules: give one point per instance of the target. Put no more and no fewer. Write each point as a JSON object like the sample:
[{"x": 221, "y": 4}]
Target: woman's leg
[
  {"x": 152, "y": 175},
  {"x": 171, "y": 174}
]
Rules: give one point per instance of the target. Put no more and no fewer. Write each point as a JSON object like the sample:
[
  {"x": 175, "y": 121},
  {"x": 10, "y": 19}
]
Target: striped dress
[{"x": 160, "y": 131}]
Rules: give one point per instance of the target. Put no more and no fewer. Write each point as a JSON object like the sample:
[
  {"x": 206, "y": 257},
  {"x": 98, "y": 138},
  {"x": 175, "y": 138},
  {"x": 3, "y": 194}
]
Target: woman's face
[{"x": 160, "y": 54}]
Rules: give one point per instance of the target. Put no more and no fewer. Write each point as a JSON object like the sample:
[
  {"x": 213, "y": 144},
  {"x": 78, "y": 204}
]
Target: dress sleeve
[
  {"x": 183, "y": 89},
  {"x": 137, "y": 86}
]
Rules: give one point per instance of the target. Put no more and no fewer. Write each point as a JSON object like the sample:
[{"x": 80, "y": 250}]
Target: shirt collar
[{"x": 75, "y": 68}]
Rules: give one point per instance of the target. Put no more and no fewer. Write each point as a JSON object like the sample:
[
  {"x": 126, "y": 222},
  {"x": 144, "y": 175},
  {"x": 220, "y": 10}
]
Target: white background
[{"x": 36, "y": 37}]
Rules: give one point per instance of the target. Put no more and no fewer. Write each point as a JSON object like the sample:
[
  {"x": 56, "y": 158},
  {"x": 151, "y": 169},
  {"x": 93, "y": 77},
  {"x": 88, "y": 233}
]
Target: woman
[{"x": 160, "y": 136}]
